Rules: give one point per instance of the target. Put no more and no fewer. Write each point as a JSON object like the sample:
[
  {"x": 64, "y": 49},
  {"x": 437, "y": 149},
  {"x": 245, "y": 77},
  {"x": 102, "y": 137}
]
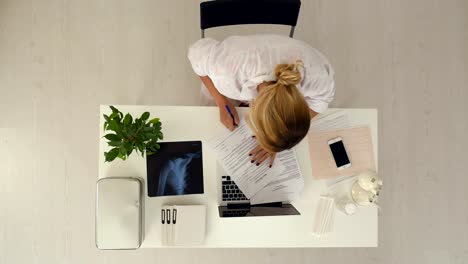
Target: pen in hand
[{"x": 230, "y": 113}]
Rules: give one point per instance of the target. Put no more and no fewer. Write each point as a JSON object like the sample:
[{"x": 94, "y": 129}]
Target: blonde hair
[{"x": 280, "y": 116}]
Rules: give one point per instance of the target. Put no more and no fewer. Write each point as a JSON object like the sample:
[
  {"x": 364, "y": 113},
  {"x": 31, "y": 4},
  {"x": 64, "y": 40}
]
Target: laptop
[{"x": 233, "y": 203}]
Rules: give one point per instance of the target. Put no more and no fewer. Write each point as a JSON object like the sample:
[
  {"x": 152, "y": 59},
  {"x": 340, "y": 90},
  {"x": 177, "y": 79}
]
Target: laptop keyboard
[{"x": 230, "y": 190}]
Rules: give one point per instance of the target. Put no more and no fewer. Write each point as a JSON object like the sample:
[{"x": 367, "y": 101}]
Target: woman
[{"x": 285, "y": 81}]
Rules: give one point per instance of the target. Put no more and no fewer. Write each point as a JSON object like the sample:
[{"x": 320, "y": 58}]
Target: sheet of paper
[
  {"x": 288, "y": 184},
  {"x": 337, "y": 120},
  {"x": 232, "y": 150}
]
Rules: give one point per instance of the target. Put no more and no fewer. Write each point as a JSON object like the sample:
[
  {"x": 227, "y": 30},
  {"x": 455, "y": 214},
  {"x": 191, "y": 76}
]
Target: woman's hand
[
  {"x": 259, "y": 155},
  {"x": 224, "y": 116}
]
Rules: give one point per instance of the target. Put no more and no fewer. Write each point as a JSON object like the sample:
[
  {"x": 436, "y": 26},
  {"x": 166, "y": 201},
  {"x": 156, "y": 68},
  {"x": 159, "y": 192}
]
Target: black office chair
[{"x": 238, "y": 12}]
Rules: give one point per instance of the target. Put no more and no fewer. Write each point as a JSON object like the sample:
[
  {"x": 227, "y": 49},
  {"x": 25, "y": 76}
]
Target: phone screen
[{"x": 339, "y": 153}]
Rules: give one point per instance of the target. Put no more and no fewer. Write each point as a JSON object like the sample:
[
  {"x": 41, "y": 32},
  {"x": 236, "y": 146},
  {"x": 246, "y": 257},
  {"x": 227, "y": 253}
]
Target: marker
[{"x": 230, "y": 113}]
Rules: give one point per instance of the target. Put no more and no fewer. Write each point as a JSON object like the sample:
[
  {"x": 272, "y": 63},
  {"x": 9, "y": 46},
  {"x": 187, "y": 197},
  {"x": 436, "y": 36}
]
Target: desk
[{"x": 183, "y": 123}]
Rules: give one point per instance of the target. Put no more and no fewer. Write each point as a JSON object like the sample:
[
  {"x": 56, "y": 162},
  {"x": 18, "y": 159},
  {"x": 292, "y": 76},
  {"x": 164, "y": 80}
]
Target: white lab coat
[{"x": 239, "y": 64}]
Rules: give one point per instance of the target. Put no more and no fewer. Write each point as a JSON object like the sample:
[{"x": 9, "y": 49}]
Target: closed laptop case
[{"x": 119, "y": 213}]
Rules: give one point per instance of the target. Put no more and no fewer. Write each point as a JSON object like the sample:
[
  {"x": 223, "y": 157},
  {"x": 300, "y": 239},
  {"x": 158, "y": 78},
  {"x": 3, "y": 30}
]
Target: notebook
[{"x": 183, "y": 225}]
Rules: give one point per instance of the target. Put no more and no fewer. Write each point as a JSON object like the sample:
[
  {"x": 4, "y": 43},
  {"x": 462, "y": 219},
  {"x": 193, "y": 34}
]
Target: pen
[{"x": 230, "y": 113}]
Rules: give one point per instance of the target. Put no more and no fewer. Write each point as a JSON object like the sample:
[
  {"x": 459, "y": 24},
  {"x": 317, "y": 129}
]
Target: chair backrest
[{"x": 238, "y": 12}]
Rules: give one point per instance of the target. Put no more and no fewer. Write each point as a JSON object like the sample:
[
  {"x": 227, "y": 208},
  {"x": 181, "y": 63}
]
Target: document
[
  {"x": 260, "y": 183},
  {"x": 288, "y": 184},
  {"x": 337, "y": 120}
]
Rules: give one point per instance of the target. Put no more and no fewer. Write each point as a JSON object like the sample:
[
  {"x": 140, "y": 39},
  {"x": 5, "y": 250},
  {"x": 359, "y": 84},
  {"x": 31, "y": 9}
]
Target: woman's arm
[
  {"x": 312, "y": 114},
  {"x": 217, "y": 96},
  {"x": 221, "y": 101}
]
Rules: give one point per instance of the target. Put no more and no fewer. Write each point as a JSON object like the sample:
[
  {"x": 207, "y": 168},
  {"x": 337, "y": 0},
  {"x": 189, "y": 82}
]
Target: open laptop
[{"x": 233, "y": 203}]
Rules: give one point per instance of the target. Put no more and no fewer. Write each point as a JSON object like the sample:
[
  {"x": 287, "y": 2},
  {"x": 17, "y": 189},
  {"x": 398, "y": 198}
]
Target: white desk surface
[{"x": 183, "y": 123}]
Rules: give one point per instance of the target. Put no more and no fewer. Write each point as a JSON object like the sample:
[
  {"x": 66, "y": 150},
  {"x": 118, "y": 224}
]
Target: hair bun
[{"x": 288, "y": 74}]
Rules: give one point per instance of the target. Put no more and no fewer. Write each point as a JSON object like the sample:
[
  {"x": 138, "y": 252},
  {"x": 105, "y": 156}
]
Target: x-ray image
[{"x": 176, "y": 169}]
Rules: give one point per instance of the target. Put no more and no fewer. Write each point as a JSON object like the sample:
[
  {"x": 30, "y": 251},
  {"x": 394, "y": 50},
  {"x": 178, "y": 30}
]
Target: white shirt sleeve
[
  {"x": 319, "y": 90},
  {"x": 199, "y": 55}
]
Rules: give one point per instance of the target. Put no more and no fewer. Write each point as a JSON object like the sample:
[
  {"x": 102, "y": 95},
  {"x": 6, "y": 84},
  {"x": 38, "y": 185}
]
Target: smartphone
[{"x": 339, "y": 153}]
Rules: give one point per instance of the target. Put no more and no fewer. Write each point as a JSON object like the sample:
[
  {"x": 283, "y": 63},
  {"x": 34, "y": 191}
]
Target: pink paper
[{"x": 358, "y": 145}]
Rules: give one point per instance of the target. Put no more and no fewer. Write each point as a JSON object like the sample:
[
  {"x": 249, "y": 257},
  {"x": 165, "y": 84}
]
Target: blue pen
[{"x": 230, "y": 113}]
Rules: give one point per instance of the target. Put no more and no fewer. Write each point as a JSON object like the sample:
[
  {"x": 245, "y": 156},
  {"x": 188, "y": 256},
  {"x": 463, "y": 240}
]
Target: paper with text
[
  {"x": 287, "y": 184},
  {"x": 261, "y": 184},
  {"x": 337, "y": 120}
]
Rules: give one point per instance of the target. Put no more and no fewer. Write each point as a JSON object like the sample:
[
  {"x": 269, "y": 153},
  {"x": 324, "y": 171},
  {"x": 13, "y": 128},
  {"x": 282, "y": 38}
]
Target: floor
[{"x": 60, "y": 59}]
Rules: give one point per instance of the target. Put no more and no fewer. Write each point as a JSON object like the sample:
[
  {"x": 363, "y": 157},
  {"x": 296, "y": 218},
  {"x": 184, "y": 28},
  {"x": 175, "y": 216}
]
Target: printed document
[
  {"x": 337, "y": 120},
  {"x": 288, "y": 183},
  {"x": 232, "y": 150}
]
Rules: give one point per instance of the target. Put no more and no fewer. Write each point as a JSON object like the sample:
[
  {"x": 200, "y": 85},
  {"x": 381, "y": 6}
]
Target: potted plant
[{"x": 128, "y": 134}]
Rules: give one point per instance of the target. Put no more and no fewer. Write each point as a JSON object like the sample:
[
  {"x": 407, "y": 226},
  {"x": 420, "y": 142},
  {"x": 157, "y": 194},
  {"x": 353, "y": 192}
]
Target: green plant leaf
[
  {"x": 152, "y": 146},
  {"x": 114, "y": 110},
  {"x": 116, "y": 114},
  {"x": 145, "y": 116},
  {"x": 120, "y": 134},
  {"x": 106, "y": 123},
  {"x": 112, "y": 137},
  {"x": 128, "y": 146},
  {"x": 139, "y": 138},
  {"x": 111, "y": 155},
  {"x": 114, "y": 143},
  {"x": 121, "y": 156},
  {"x": 149, "y": 135},
  {"x": 123, "y": 150},
  {"x": 154, "y": 120},
  {"x": 141, "y": 148},
  {"x": 136, "y": 127},
  {"x": 114, "y": 126},
  {"x": 127, "y": 119}
]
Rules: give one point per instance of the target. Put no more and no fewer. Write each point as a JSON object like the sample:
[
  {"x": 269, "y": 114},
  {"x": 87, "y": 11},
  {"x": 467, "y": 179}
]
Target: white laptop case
[{"x": 118, "y": 213}]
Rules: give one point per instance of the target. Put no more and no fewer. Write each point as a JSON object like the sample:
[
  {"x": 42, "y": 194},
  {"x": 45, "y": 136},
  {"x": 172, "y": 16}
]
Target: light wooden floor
[{"x": 60, "y": 59}]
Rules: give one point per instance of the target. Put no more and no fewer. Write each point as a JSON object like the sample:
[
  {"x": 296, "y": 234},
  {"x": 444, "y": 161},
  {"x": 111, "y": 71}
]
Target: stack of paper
[{"x": 261, "y": 184}]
